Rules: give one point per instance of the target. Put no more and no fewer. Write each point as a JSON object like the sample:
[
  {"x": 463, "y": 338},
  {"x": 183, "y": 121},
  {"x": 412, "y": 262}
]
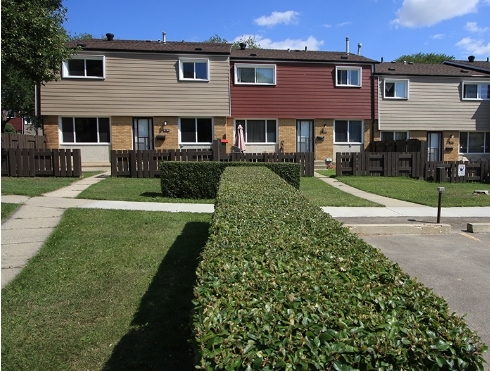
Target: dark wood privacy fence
[
  {"x": 144, "y": 164},
  {"x": 30, "y": 162},
  {"x": 405, "y": 146},
  {"x": 413, "y": 164},
  {"x": 10, "y": 140}
]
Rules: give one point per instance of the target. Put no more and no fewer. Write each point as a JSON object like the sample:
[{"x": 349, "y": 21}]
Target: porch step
[{"x": 320, "y": 165}]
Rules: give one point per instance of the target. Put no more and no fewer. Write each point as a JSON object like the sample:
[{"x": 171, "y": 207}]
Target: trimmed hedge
[
  {"x": 283, "y": 286},
  {"x": 200, "y": 179}
]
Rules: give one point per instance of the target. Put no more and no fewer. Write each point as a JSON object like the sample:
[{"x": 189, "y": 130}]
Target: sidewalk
[{"x": 25, "y": 231}]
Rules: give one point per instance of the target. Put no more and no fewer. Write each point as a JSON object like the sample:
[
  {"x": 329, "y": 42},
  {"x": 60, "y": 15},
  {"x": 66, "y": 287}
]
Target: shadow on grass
[
  {"x": 161, "y": 328},
  {"x": 152, "y": 194}
]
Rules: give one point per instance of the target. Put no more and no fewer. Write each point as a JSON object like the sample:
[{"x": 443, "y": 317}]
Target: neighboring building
[
  {"x": 299, "y": 100},
  {"x": 122, "y": 94},
  {"x": 446, "y": 104}
]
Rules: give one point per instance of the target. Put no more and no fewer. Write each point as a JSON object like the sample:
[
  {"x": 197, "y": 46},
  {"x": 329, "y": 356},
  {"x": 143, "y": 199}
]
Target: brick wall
[
  {"x": 287, "y": 135},
  {"x": 51, "y": 132},
  {"x": 324, "y": 148},
  {"x": 122, "y": 132},
  {"x": 450, "y": 154}
]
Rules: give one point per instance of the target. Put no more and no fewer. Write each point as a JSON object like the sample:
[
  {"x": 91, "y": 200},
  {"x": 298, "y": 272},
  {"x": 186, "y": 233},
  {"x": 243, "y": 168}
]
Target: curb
[
  {"x": 478, "y": 227},
  {"x": 390, "y": 229}
]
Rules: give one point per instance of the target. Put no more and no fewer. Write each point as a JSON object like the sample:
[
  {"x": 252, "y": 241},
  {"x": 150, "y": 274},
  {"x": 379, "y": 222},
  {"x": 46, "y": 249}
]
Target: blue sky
[{"x": 386, "y": 28}]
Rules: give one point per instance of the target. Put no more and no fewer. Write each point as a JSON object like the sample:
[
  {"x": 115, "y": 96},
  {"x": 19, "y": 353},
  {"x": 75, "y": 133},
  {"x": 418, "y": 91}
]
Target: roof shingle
[{"x": 425, "y": 69}]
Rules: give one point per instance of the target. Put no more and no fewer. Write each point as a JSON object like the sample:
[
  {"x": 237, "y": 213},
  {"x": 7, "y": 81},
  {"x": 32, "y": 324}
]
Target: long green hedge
[
  {"x": 200, "y": 179},
  {"x": 283, "y": 286}
]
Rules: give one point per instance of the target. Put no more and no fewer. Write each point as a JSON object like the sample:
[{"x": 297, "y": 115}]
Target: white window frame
[
  {"x": 245, "y": 128},
  {"x": 348, "y": 84},
  {"x": 195, "y": 127},
  {"x": 194, "y": 61},
  {"x": 348, "y": 124},
  {"x": 66, "y": 72},
  {"x": 75, "y": 142},
  {"x": 486, "y": 140},
  {"x": 479, "y": 85},
  {"x": 395, "y": 82},
  {"x": 255, "y": 66}
]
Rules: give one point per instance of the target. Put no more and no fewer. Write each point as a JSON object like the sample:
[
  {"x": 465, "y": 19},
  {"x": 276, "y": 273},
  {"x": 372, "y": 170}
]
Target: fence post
[{"x": 440, "y": 174}]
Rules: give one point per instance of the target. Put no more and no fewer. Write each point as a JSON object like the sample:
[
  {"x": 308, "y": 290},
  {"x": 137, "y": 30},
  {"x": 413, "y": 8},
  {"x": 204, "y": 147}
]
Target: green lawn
[
  {"x": 110, "y": 290},
  {"x": 36, "y": 186},
  {"x": 8, "y": 209},
  {"x": 421, "y": 191}
]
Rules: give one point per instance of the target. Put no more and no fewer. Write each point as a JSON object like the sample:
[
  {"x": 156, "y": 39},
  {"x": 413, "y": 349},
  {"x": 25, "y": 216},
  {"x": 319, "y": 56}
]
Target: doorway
[
  {"x": 304, "y": 135},
  {"x": 434, "y": 145},
  {"x": 143, "y": 133}
]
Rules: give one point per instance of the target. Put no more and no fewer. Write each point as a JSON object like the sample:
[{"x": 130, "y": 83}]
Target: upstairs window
[
  {"x": 92, "y": 67},
  {"x": 261, "y": 74},
  {"x": 396, "y": 89},
  {"x": 349, "y": 76},
  {"x": 477, "y": 91},
  {"x": 85, "y": 130},
  {"x": 196, "y": 130},
  {"x": 194, "y": 69},
  {"x": 348, "y": 131}
]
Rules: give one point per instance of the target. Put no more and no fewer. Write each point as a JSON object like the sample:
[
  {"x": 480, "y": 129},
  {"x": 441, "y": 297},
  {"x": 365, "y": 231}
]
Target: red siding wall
[{"x": 303, "y": 91}]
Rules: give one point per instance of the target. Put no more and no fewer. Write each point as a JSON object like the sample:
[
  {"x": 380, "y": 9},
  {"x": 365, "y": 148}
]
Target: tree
[
  {"x": 249, "y": 41},
  {"x": 217, "y": 39},
  {"x": 33, "y": 48},
  {"x": 425, "y": 58}
]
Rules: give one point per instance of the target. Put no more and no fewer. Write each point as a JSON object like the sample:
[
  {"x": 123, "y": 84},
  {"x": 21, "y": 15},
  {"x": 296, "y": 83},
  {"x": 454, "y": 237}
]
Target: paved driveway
[{"x": 455, "y": 266}]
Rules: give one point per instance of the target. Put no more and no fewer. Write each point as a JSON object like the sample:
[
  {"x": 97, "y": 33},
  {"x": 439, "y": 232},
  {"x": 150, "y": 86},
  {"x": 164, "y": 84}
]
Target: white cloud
[
  {"x": 473, "y": 27},
  {"x": 474, "y": 47},
  {"x": 344, "y": 24},
  {"x": 329, "y": 25},
  {"x": 287, "y": 17},
  {"x": 420, "y": 13},
  {"x": 438, "y": 36},
  {"x": 311, "y": 42}
]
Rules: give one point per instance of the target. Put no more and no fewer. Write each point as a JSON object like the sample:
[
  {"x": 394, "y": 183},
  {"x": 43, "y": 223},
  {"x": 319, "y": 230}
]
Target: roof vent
[
  {"x": 344, "y": 57},
  {"x": 81, "y": 45},
  {"x": 391, "y": 69},
  {"x": 198, "y": 49},
  {"x": 253, "y": 54},
  {"x": 110, "y": 36},
  {"x": 464, "y": 71},
  {"x": 243, "y": 46},
  {"x": 306, "y": 48},
  {"x": 410, "y": 62},
  {"x": 471, "y": 58}
]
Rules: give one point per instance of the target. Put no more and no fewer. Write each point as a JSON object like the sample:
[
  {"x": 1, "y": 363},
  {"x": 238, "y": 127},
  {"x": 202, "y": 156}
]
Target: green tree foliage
[
  {"x": 217, "y": 39},
  {"x": 425, "y": 58},
  {"x": 249, "y": 41},
  {"x": 33, "y": 48}
]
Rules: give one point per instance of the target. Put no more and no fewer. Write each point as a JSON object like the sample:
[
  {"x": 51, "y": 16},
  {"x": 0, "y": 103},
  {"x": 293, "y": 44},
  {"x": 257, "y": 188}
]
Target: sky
[{"x": 386, "y": 29}]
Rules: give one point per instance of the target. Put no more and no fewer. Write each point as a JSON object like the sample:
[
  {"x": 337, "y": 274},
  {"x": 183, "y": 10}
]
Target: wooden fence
[
  {"x": 144, "y": 164},
  {"x": 30, "y": 162},
  {"x": 413, "y": 164},
  {"x": 10, "y": 140},
  {"x": 404, "y": 146}
]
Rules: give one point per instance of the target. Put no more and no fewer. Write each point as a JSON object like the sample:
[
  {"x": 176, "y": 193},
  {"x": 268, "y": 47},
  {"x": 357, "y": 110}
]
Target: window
[
  {"x": 259, "y": 131},
  {"x": 348, "y": 131},
  {"x": 396, "y": 89},
  {"x": 196, "y": 130},
  {"x": 394, "y": 135},
  {"x": 85, "y": 130},
  {"x": 84, "y": 67},
  {"x": 194, "y": 69},
  {"x": 474, "y": 142},
  {"x": 349, "y": 76},
  {"x": 260, "y": 74},
  {"x": 476, "y": 90}
]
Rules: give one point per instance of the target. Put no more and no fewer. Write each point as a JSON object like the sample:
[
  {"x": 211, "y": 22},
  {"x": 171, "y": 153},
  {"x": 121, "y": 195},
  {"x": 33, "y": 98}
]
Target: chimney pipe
[
  {"x": 110, "y": 36},
  {"x": 359, "y": 46},
  {"x": 347, "y": 45},
  {"x": 164, "y": 37},
  {"x": 306, "y": 48},
  {"x": 471, "y": 58},
  {"x": 243, "y": 46}
]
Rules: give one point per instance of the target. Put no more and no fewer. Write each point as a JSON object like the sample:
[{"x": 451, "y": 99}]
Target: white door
[{"x": 434, "y": 140}]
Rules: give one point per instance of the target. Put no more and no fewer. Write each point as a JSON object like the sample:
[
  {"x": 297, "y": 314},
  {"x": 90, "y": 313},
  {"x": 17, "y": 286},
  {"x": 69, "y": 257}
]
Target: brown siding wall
[{"x": 303, "y": 90}]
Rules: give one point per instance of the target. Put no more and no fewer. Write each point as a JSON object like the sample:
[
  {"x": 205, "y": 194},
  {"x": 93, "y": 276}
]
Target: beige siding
[
  {"x": 434, "y": 103},
  {"x": 141, "y": 85}
]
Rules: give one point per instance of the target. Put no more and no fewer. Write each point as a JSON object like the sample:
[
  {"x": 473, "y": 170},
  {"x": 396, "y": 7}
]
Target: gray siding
[
  {"x": 434, "y": 103},
  {"x": 139, "y": 84}
]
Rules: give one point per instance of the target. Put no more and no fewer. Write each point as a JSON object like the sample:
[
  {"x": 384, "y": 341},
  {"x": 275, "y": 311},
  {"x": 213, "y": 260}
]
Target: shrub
[
  {"x": 282, "y": 285},
  {"x": 200, "y": 179}
]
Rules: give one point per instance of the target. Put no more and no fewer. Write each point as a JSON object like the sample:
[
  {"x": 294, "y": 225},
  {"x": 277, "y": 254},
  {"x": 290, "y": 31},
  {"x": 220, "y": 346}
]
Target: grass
[
  {"x": 421, "y": 191},
  {"x": 109, "y": 290},
  {"x": 321, "y": 194},
  {"x": 132, "y": 189},
  {"x": 36, "y": 186},
  {"x": 8, "y": 209}
]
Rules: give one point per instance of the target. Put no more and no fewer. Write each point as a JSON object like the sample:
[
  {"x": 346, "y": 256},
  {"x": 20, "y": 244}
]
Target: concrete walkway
[{"x": 27, "y": 229}]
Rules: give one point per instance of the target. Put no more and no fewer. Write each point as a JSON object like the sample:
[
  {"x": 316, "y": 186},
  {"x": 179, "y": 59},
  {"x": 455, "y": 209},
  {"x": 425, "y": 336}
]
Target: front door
[
  {"x": 304, "y": 135},
  {"x": 142, "y": 133},
  {"x": 434, "y": 140}
]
